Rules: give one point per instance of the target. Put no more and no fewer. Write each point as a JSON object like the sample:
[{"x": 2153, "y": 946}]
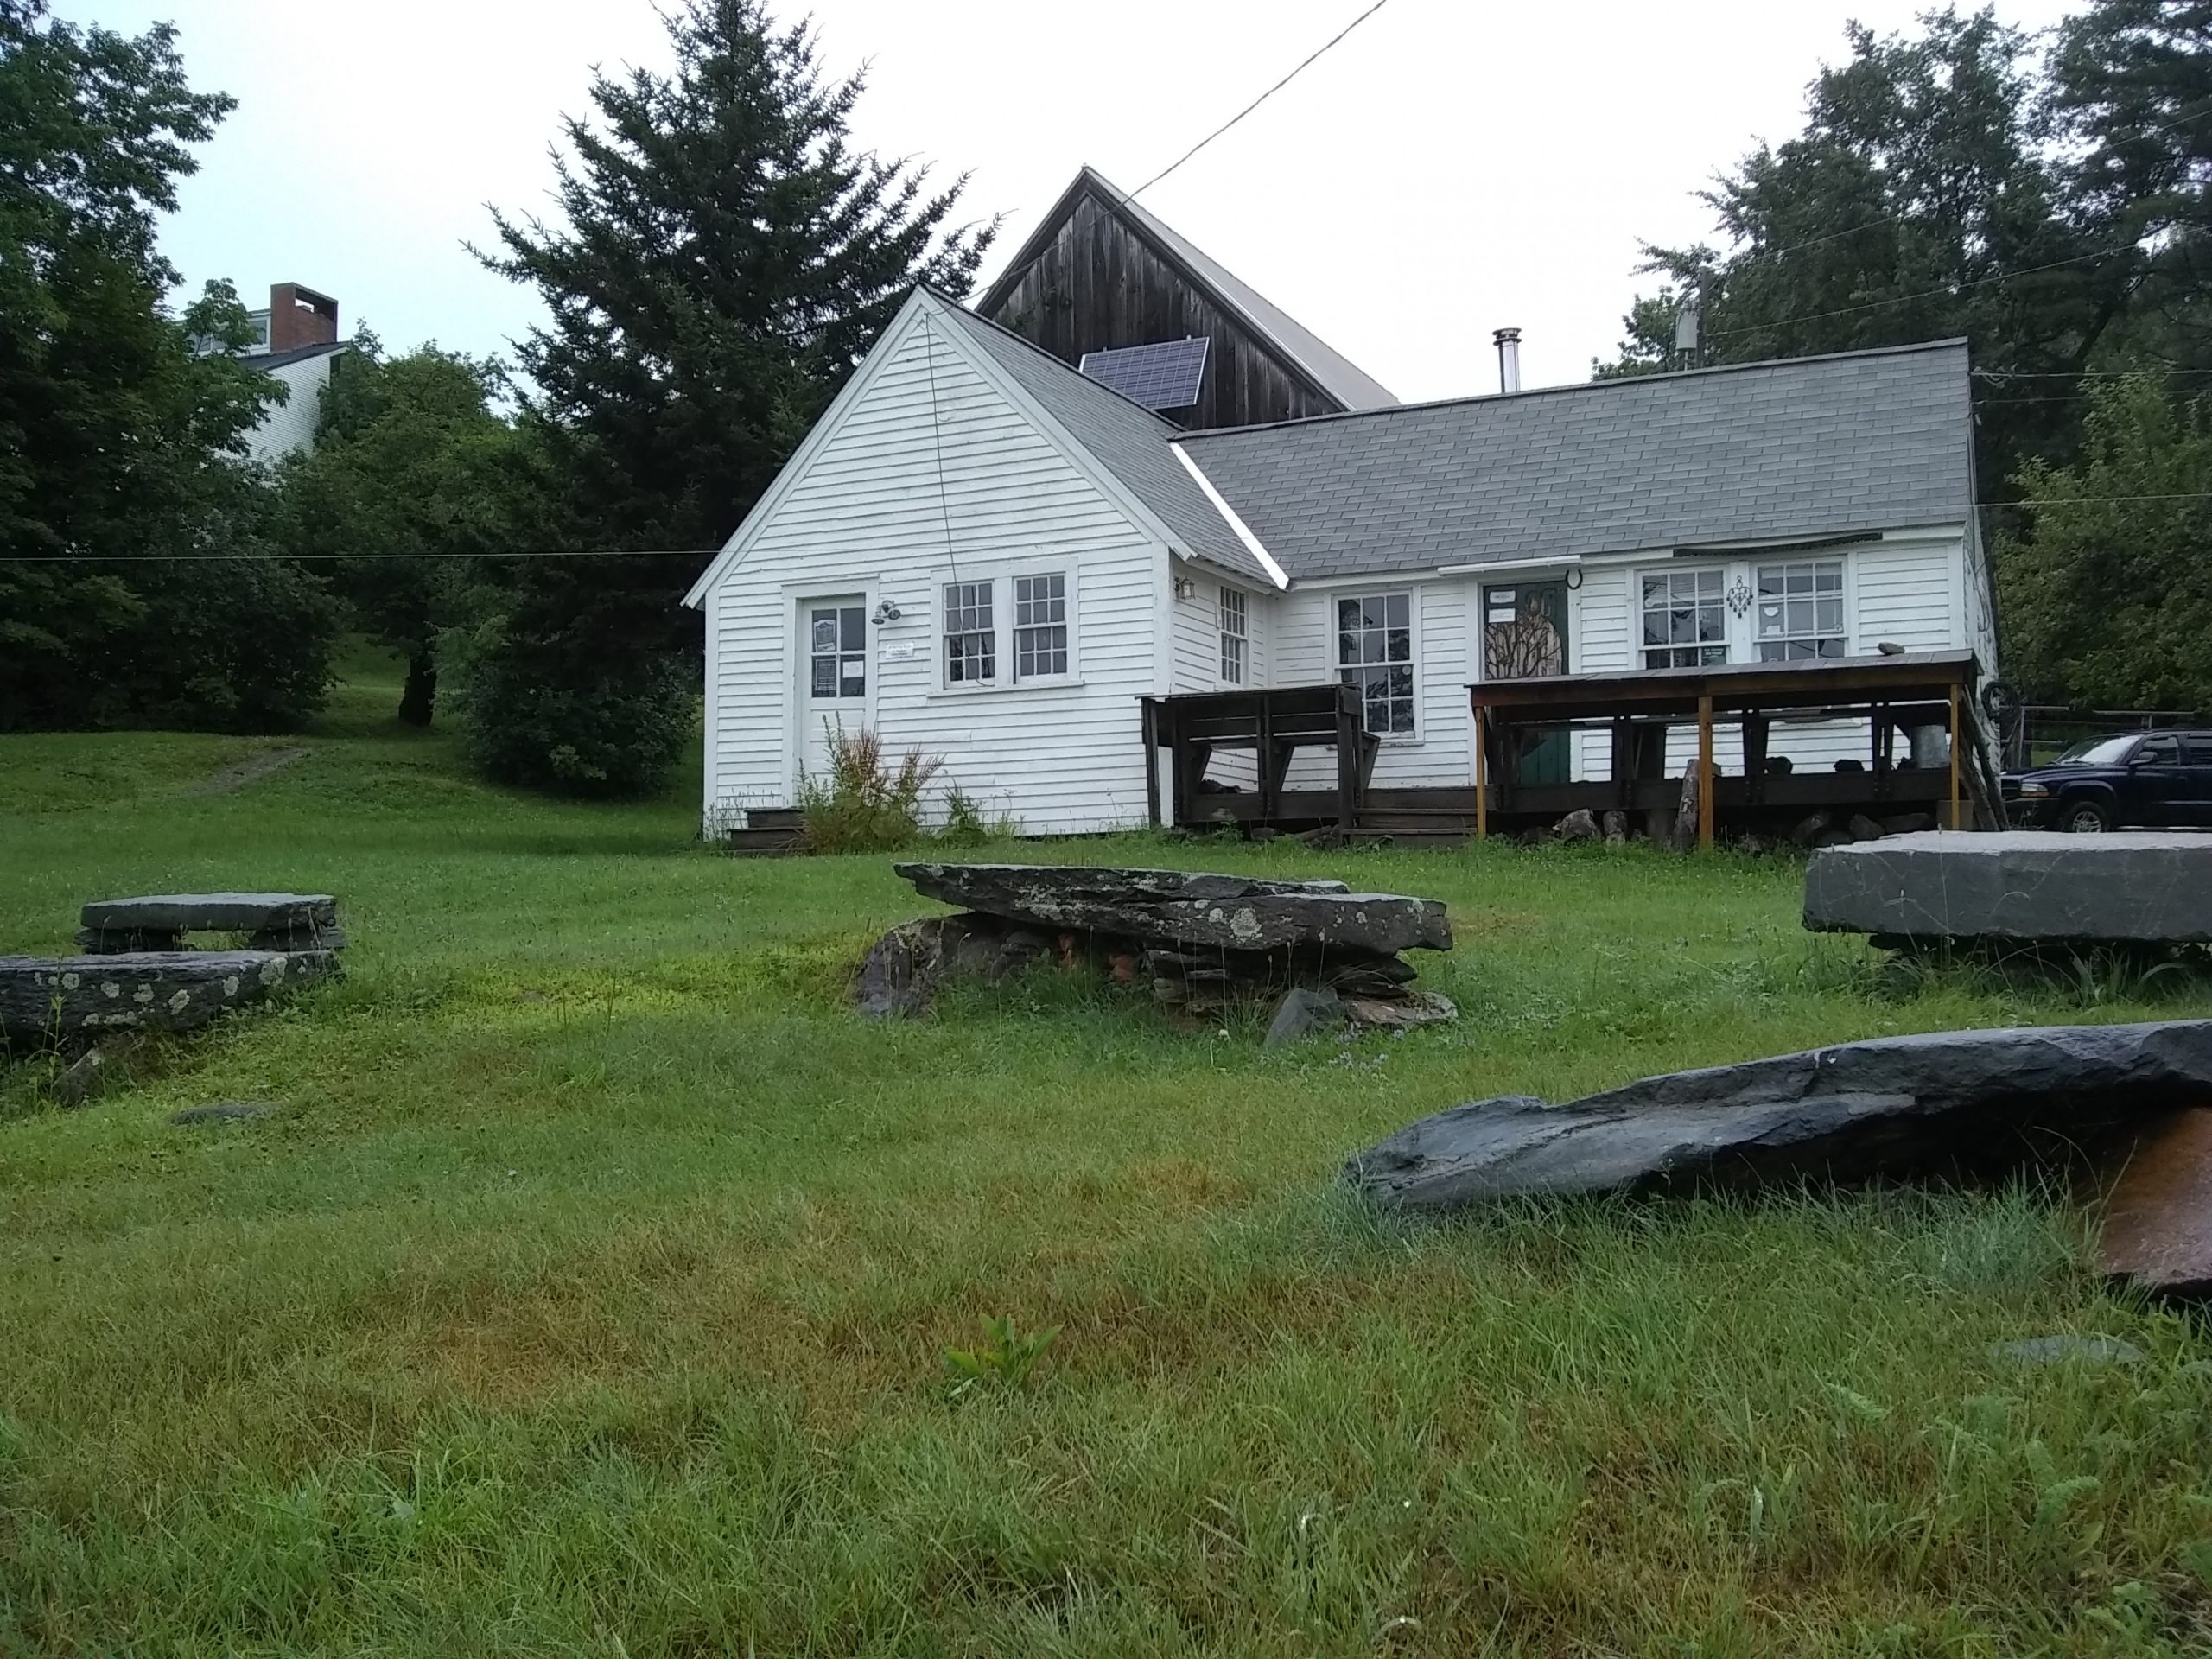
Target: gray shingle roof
[
  {"x": 1801, "y": 447},
  {"x": 1127, "y": 439},
  {"x": 1331, "y": 371},
  {"x": 268, "y": 361}
]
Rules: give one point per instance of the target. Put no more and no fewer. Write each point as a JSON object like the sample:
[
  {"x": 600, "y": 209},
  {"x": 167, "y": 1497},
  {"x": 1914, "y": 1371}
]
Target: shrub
[
  {"x": 965, "y": 825},
  {"x": 553, "y": 715},
  {"x": 862, "y": 806}
]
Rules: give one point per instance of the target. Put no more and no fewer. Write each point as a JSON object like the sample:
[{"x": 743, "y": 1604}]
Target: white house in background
[
  {"x": 981, "y": 554},
  {"x": 298, "y": 345}
]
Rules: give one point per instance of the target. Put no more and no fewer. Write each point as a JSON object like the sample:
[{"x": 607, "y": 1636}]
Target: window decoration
[
  {"x": 1233, "y": 636},
  {"x": 1800, "y": 611},
  {"x": 1040, "y": 627},
  {"x": 1374, "y": 652},
  {"x": 970, "y": 636},
  {"x": 1685, "y": 619}
]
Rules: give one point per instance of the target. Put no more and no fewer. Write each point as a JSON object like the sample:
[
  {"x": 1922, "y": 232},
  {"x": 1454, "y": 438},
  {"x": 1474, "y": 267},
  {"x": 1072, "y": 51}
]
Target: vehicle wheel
[{"x": 2084, "y": 818}]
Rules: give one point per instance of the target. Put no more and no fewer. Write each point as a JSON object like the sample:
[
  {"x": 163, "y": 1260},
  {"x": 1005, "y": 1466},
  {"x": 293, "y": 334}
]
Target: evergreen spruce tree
[{"x": 721, "y": 259}]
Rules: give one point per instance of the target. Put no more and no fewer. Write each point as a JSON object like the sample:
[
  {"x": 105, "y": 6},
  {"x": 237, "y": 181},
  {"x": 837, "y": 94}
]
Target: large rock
[
  {"x": 1223, "y": 913},
  {"x": 905, "y": 969},
  {"x": 2025, "y": 885},
  {"x": 1962, "y": 1100},
  {"x": 48, "y": 997},
  {"x": 2158, "y": 1223}
]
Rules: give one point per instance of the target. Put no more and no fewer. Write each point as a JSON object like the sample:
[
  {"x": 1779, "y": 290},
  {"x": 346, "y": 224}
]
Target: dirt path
[{"x": 239, "y": 774}]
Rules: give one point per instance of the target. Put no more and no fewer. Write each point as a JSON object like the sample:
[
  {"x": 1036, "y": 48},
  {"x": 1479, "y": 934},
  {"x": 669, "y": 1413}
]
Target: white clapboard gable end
[{"x": 934, "y": 469}]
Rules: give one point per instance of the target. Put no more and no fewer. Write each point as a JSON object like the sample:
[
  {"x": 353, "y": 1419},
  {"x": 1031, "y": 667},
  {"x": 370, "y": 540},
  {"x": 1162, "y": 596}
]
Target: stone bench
[
  {"x": 2020, "y": 886},
  {"x": 159, "y": 922},
  {"x": 75, "y": 997}
]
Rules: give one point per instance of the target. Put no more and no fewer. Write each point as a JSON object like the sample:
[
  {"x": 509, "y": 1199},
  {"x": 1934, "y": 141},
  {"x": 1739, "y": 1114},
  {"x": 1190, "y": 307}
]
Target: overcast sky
[{"x": 1449, "y": 167}]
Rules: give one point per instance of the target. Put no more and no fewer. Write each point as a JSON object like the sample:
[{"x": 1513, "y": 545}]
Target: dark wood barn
[{"x": 1102, "y": 274}]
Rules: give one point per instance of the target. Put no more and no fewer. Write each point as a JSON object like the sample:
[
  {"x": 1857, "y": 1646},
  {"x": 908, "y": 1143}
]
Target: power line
[
  {"x": 322, "y": 558},
  {"x": 1319, "y": 52},
  {"x": 1927, "y": 293}
]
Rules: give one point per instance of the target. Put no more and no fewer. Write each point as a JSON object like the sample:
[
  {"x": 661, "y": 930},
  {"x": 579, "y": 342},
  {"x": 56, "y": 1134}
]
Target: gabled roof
[
  {"x": 1127, "y": 439},
  {"x": 1329, "y": 370},
  {"x": 1803, "y": 446},
  {"x": 267, "y": 361}
]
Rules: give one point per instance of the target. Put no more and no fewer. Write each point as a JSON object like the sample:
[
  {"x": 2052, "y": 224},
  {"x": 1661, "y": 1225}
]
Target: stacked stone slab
[
  {"x": 135, "y": 975},
  {"x": 1204, "y": 941},
  {"x": 268, "y": 921},
  {"x": 2021, "y": 887}
]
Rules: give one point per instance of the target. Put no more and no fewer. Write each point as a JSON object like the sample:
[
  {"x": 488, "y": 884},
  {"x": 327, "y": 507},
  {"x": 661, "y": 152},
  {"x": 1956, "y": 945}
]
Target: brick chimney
[{"x": 300, "y": 316}]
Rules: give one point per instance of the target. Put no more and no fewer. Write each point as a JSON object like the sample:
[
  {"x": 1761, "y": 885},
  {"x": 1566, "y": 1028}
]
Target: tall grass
[
  {"x": 864, "y": 803},
  {"x": 592, "y": 1292}
]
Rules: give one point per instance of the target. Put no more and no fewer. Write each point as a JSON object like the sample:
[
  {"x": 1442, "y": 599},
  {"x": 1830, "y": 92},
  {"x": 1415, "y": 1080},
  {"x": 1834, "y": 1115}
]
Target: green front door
[{"x": 1524, "y": 636}]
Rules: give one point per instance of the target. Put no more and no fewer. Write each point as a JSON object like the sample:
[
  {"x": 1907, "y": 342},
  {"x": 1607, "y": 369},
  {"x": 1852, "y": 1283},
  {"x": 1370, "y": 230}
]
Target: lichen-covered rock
[
  {"x": 1956, "y": 1100},
  {"x": 58, "y": 997}
]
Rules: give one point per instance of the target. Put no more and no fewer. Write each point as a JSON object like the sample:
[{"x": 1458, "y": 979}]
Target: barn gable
[{"x": 1101, "y": 273}]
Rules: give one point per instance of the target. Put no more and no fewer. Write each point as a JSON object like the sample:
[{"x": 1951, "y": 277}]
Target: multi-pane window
[
  {"x": 970, "y": 636},
  {"x": 1040, "y": 627},
  {"x": 1685, "y": 619},
  {"x": 837, "y": 651},
  {"x": 1233, "y": 636},
  {"x": 1374, "y": 652},
  {"x": 1799, "y": 610}
]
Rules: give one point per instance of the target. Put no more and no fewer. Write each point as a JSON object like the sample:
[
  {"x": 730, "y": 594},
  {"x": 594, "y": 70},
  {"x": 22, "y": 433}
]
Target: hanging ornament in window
[{"x": 1739, "y": 597}]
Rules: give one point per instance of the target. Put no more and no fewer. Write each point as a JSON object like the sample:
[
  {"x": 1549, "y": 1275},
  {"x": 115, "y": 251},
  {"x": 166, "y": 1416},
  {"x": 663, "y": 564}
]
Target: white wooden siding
[
  {"x": 1196, "y": 630},
  {"x": 290, "y": 425},
  {"x": 865, "y": 515},
  {"x": 1441, "y": 753}
]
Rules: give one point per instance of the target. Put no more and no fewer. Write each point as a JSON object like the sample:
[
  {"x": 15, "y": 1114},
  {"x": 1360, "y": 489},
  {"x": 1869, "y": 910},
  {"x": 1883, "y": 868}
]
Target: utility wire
[
  {"x": 320, "y": 558},
  {"x": 1319, "y": 52}
]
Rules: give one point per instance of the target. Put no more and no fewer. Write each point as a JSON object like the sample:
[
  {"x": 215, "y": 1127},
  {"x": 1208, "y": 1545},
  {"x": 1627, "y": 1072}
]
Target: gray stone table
[{"x": 2021, "y": 885}]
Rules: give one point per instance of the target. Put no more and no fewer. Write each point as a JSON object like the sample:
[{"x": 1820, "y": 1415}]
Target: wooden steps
[{"x": 770, "y": 831}]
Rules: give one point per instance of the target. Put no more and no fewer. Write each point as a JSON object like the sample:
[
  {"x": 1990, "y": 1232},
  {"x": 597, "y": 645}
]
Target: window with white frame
[
  {"x": 1685, "y": 619},
  {"x": 1233, "y": 636},
  {"x": 1012, "y": 629},
  {"x": 1040, "y": 627},
  {"x": 1798, "y": 612},
  {"x": 970, "y": 639},
  {"x": 1374, "y": 652}
]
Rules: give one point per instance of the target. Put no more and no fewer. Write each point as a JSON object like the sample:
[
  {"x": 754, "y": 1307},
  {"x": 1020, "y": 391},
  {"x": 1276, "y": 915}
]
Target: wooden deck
[{"x": 1638, "y": 710}]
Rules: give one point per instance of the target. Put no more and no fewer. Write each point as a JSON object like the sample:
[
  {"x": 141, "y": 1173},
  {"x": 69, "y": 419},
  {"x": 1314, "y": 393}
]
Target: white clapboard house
[{"x": 983, "y": 554}]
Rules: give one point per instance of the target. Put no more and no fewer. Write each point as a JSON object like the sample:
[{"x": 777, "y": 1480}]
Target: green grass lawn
[{"x": 589, "y": 1293}]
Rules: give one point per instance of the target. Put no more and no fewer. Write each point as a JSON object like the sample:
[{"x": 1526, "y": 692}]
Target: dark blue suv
[{"x": 2158, "y": 779}]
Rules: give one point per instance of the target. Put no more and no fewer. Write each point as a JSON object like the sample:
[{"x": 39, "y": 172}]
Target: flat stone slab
[
  {"x": 211, "y": 912},
  {"x": 2157, "y": 1224},
  {"x": 1966, "y": 1101},
  {"x": 145, "y": 990},
  {"x": 2028, "y": 885},
  {"x": 1178, "y": 907}
]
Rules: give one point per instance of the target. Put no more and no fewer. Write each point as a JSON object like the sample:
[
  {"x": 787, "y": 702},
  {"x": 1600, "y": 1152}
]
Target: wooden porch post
[
  {"x": 1351, "y": 723},
  {"x": 1482, "y": 781},
  {"x": 1956, "y": 823},
  {"x": 1151, "y": 761},
  {"x": 1705, "y": 772}
]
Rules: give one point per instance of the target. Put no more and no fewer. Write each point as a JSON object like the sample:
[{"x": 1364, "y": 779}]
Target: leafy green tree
[
  {"x": 721, "y": 260},
  {"x": 408, "y": 486},
  {"x": 2106, "y": 591},
  {"x": 128, "y": 520},
  {"x": 2131, "y": 91},
  {"x": 1919, "y": 181}
]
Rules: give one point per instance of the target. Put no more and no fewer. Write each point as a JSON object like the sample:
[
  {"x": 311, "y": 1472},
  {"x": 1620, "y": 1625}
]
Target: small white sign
[{"x": 898, "y": 653}]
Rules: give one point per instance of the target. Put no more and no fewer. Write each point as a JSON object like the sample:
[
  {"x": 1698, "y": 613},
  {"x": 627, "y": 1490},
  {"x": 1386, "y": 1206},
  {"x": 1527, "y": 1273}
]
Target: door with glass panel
[
  {"x": 834, "y": 682},
  {"x": 1524, "y": 636}
]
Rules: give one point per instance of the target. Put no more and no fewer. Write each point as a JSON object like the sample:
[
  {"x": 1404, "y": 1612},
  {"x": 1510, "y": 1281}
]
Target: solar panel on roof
[{"x": 1165, "y": 375}]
